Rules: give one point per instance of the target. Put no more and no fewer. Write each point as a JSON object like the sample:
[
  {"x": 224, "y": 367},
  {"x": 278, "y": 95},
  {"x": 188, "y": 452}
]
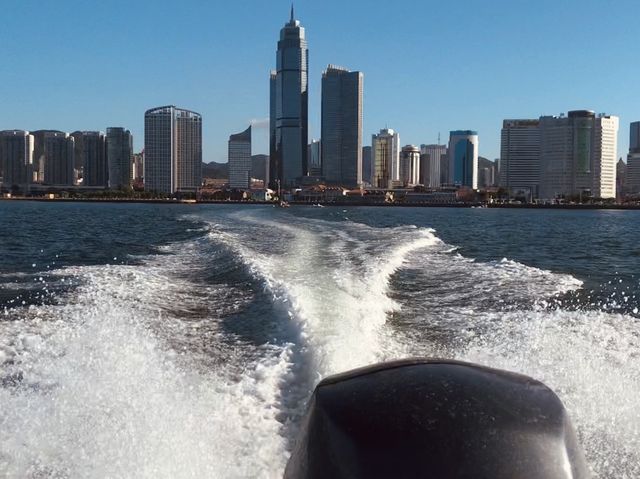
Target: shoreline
[{"x": 341, "y": 204}]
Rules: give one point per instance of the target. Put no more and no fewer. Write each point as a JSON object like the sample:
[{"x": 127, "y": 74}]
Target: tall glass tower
[
  {"x": 289, "y": 105},
  {"x": 341, "y": 127}
]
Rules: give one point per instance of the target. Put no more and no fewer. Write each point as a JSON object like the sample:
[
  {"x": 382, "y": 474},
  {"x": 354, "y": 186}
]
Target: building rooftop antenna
[{"x": 292, "y": 16}]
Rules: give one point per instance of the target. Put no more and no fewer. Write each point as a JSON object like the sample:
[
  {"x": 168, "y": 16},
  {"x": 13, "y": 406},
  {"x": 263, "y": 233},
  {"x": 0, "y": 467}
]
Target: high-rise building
[
  {"x": 119, "y": 155},
  {"x": 487, "y": 172},
  {"x": 56, "y": 151},
  {"x": 289, "y": 106},
  {"x": 341, "y": 126},
  {"x": 16, "y": 157},
  {"x": 578, "y": 155},
  {"x": 463, "y": 158},
  {"x": 40, "y": 157},
  {"x": 367, "y": 166},
  {"x": 240, "y": 160},
  {"x": 260, "y": 167},
  {"x": 172, "y": 149},
  {"x": 137, "y": 167},
  {"x": 314, "y": 154},
  {"x": 432, "y": 160},
  {"x": 520, "y": 157},
  {"x": 385, "y": 151},
  {"x": 90, "y": 154},
  {"x": 410, "y": 165},
  {"x": 632, "y": 183}
]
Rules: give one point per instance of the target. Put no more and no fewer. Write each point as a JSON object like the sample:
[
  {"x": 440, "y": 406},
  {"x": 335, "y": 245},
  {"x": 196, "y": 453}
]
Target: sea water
[{"x": 184, "y": 340}]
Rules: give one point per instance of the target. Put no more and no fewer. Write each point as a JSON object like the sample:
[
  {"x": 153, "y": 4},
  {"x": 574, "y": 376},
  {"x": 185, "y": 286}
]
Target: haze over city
[{"x": 429, "y": 67}]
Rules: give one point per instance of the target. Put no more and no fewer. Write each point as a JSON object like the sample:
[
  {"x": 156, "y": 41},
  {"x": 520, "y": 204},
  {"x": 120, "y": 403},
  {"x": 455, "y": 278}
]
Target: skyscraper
[
  {"x": 240, "y": 160},
  {"x": 385, "y": 151},
  {"x": 90, "y": 153},
  {"x": 289, "y": 106},
  {"x": 432, "y": 158},
  {"x": 119, "y": 155},
  {"x": 463, "y": 158},
  {"x": 578, "y": 155},
  {"x": 632, "y": 183},
  {"x": 520, "y": 157},
  {"x": 55, "y": 153},
  {"x": 341, "y": 126},
  {"x": 410, "y": 165},
  {"x": 367, "y": 166},
  {"x": 16, "y": 157},
  {"x": 314, "y": 155},
  {"x": 172, "y": 150}
]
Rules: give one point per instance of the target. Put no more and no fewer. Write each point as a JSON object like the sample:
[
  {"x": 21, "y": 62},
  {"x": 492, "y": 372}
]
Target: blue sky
[{"x": 429, "y": 66}]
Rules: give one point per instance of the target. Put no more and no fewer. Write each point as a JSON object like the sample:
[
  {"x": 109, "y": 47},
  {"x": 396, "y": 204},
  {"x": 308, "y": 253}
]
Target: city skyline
[{"x": 538, "y": 72}]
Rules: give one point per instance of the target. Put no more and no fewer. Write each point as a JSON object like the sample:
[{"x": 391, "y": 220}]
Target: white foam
[{"x": 102, "y": 396}]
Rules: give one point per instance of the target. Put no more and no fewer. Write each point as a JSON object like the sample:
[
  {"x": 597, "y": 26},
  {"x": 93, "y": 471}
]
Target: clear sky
[{"x": 429, "y": 66}]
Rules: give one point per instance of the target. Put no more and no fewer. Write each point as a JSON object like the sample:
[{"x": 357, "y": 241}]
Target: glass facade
[
  {"x": 463, "y": 158},
  {"x": 240, "y": 160},
  {"x": 289, "y": 105},
  {"x": 119, "y": 155},
  {"x": 342, "y": 126}
]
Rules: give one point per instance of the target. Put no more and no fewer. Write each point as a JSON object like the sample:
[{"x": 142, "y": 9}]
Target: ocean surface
[{"x": 184, "y": 340}]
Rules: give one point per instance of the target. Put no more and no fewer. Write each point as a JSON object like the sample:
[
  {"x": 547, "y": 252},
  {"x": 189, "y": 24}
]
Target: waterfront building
[
  {"x": 260, "y": 168},
  {"x": 578, "y": 155},
  {"x": 40, "y": 156},
  {"x": 91, "y": 157},
  {"x": 16, "y": 157},
  {"x": 341, "y": 126},
  {"x": 172, "y": 149},
  {"x": 314, "y": 154},
  {"x": 520, "y": 157},
  {"x": 410, "y": 165},
  {"x": 137, "y": 167},
  {"x": 621, "y": 178},
  {"x": 289, "y": 107},
  {"x": 119, "y": 155},
  {"x": 240, "y": 160},
  {"x": 385, "y": 151},
  {"x": 487, "y": 172},
  {"x": 367, "y": 166},
  {"x": 57, "y": 155},
  {"x": 432, "y": 160},
  {"x": 632, "y": 183},
  {"x": 463, "y": 158}
]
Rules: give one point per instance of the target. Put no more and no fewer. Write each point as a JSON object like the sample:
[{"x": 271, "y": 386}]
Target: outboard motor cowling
[{"x": 435, "y": 419}]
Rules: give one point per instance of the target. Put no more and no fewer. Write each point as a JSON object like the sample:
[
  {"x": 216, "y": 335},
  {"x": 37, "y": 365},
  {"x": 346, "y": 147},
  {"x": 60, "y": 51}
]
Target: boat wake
[{"x": 199, "y": 360}]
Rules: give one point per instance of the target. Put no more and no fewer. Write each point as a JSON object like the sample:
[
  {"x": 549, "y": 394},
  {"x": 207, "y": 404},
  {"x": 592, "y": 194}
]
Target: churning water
[{"x": 177, "y": 341}]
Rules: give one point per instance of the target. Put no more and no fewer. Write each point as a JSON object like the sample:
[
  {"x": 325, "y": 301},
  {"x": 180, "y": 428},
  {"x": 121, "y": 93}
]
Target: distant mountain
[{"x": 215, "y": 170}]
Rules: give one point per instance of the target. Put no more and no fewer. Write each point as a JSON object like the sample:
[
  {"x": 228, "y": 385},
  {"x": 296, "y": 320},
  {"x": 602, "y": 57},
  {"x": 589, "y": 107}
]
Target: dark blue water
[{"x": 178, "y": 340}]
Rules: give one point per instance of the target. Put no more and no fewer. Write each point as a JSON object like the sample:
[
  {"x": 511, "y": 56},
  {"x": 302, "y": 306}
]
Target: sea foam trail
[
  {"x": 507, "y": 315},
  {"x": 97, "y": 393},
  {"x": 337, "y": 304}
]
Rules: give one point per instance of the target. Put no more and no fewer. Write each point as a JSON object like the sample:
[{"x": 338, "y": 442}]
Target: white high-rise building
[
  {"x": 432, "y": 159},
  {"x": 385, "y": 160},
  {"x": 520, "y": 157},
  {"x": 240, "y": 160},
  {"x": 410, "y": 165},
  {"x": 578, "y": 155}
]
